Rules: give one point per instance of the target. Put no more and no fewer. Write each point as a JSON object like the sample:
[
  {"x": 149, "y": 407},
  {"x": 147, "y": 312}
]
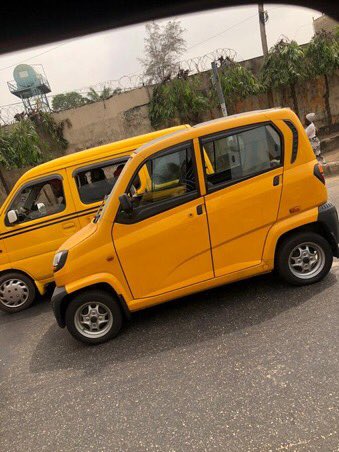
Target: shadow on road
[
  {"x": 177, "y": 324},
  {"x": 40, "y": 306}
]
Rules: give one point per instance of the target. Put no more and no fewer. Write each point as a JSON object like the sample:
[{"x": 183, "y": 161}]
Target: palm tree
[
  {"x": 322, "y": 55},
  {"x": 94, "y": 96},
  {"x": 285, "y": 66}
]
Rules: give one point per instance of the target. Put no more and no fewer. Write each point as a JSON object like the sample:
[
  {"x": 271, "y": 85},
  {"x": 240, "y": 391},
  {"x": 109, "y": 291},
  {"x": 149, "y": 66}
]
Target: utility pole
[
  {"x": 217, "y": 84},
  {"x": 263, "y": 18}
]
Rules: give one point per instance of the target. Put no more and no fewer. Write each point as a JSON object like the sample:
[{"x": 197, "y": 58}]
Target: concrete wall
[
  {"x": 121, "y": 116},
  {"x": 324, "y": 23},
  {"x": 310, "y": 95},
  {"x": 125, "y": 115}
]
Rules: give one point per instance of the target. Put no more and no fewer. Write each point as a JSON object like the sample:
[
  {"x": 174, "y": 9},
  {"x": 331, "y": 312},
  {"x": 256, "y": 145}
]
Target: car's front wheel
[
  {"x": 93, "y": 317},
  {"x": 17, "y": 292},
  {"x": 304, "y": 258}
]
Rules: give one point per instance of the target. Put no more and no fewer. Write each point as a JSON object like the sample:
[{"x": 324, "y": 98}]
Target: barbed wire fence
[{"x": 132, "y": 81}]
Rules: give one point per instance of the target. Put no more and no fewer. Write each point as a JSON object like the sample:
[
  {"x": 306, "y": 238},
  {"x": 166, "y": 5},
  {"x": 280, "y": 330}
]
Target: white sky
[{"x": 83, "y": 62}]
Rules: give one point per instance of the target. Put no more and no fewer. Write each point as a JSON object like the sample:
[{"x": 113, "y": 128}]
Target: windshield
[{"x": 40, "y": 199}]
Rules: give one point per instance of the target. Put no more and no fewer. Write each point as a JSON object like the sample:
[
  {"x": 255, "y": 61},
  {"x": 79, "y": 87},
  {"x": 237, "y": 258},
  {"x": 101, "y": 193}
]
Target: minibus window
[
  {"x": 39, "y": 200},
  {"x": 97, "y": 182},
  {"x": 244, "y": 154}
]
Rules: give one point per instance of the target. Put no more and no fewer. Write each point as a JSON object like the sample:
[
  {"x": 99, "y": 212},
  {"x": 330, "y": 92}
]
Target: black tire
[
  {"x": 88, "y": 300},
  {"x": 287, "y": 247},
  {"x": 12, "y": 286}
]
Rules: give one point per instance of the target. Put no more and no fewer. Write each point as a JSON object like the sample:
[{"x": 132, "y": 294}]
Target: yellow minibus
[{"x": 47, "y": 205}]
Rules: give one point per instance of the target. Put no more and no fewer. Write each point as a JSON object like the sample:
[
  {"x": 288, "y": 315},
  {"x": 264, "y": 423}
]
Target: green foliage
[
  {"x": 73, "y": 99},
  {"x": 20, "y": 145},
  {"x": 183, "y": 99},
  {"x": 238, "y": 82},
  {"x": 69, "y": 100},
  {"x": 284, "y": 65},
  {"x": 94, "y": 96},
  {"x": 322, "y": 54},
  {"x": 47, "y": 126}
]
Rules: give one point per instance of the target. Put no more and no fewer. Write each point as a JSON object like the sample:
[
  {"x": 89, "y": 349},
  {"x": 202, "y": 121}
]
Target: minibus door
[{"x": 45, "y": 219}]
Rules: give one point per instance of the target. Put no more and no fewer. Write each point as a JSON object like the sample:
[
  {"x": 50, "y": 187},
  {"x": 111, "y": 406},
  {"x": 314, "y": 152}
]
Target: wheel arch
[
  {"x": 316, "y": 227},
  {"x": 104, "y": 286},
  {"x": 39, "y": 288}
]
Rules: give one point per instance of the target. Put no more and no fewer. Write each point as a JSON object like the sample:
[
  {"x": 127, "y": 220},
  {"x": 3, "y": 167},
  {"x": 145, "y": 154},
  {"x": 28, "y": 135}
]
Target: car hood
[{"x": 79, "y": 236}]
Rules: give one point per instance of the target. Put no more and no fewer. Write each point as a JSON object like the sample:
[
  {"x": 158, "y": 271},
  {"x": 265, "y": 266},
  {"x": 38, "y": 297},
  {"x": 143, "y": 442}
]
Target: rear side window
[
  {"x": 96, "y": 182},
  {"x": 244, "y": 154},
  {"x": 39, "y": 200}
]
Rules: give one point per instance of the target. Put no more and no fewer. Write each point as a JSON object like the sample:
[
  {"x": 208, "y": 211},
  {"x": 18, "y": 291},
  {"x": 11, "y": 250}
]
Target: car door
[
  {"x": 164, "y": 244},
  {"x": 243, "y": 193},
  {"x": 46, "y": 218}
]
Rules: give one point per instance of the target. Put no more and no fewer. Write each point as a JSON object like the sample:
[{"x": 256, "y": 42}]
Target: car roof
[{"x": 232, "y": 121}]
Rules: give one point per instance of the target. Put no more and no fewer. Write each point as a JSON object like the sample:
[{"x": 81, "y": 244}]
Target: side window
[
  {"x": 95, "y": 183},
  {"x": 169, "y": 177},
  {"x": 39, "y": 200},
  {"x": 242, "y": 154}
]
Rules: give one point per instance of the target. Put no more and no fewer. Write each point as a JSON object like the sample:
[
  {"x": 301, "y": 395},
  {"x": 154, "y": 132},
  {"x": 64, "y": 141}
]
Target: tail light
[{"x": 319, "y": 172}]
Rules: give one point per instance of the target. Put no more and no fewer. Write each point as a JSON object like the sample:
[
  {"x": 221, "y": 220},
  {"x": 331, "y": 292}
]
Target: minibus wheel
[
  {"x": 93, "y": 317},
  {"x": 17, "y": 292},
  {"x": 304, "y": 258}
]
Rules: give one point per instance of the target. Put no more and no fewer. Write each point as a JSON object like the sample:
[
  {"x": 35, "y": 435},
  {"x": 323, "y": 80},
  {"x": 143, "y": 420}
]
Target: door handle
[
  {"x": 276, "y": 180},
  {"x": 200, "y": 209},
  {"x": 68, "y": 225}
]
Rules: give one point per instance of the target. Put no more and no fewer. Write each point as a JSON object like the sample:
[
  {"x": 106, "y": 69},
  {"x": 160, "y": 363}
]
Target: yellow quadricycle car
[
  {"x": 50, "y": 203},
  {"x": 222, "y": 201}
]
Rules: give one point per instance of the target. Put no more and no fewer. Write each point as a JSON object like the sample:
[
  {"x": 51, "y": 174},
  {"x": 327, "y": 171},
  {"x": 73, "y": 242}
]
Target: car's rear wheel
[
  {"x": 304, "y": 258},
  {"x": 93, "y": 317},
  {"x": 17, "y": 292}
]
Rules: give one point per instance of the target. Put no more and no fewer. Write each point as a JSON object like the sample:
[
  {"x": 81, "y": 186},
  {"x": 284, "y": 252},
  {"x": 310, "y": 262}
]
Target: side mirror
[
  {"x": 12, "y": 216},
  {"x": 126, "y": 203}
]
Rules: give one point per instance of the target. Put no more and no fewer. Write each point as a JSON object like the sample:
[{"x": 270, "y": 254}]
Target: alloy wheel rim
[
  {"x": 93, "y": 319},
  {"x": 306, "y": 260},
  {"x": 14, "y": 293}
]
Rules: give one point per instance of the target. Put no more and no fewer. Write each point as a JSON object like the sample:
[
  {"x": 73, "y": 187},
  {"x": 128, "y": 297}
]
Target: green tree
[
  {"x": 322, "y": 55},
  {"x": 50, "y": 131},
  {"x": 238, "y": 82},
  {"x": 284, "y": 66},
  {"x": 66, "y": 101},
  {"x": 182, "y": 99},
  {"x": 20, "y": 145},
  {"x": 163, "y": 46}
]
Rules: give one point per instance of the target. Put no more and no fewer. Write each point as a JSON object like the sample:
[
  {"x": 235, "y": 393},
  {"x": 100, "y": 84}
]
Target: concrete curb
[{"x": 331, "y": 168}]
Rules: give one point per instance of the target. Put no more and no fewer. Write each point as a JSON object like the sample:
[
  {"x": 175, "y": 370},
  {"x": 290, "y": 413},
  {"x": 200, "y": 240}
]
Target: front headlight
[{"x": 59, "y": 260}]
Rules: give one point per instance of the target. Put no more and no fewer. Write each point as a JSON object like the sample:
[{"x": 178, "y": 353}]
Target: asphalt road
[{"x": 251, "y": 366}]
